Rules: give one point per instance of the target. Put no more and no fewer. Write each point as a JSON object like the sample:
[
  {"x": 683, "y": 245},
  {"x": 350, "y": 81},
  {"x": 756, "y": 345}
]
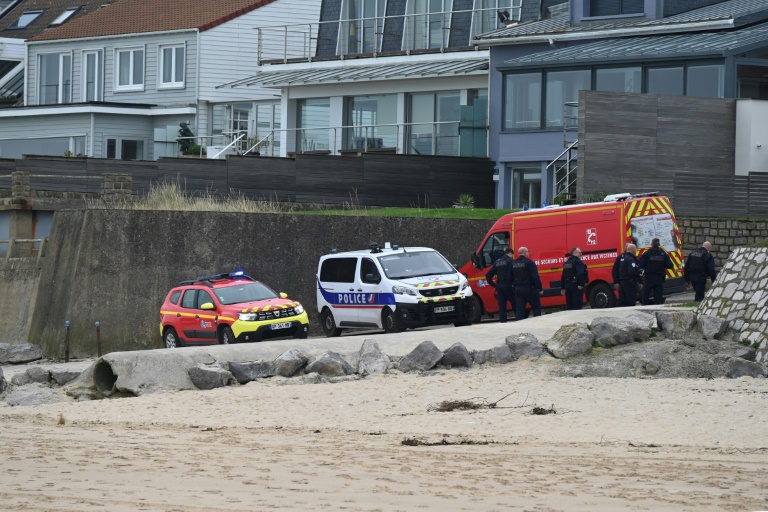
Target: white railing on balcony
[{"x": 372, "y": 36}]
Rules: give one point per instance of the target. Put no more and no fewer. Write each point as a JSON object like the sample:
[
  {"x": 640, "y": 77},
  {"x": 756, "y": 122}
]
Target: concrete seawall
[
  {"x": 116, "y": 266},
  {"x": 19, "y": 279}
]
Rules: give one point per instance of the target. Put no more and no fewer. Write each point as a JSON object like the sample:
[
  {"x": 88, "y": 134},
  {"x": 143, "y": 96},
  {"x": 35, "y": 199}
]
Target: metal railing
[
  {"x": 38, "y": 244},
  {"x": 408, "y": 32},
  {"x": 201, "y": 148},
  {"x": 565, "y": 174},
  {"x": 570, "y": 121}
]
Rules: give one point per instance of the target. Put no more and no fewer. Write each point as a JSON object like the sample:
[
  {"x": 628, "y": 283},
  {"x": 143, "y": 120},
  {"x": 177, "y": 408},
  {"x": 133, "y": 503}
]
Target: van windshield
[
  {"x": 244, "y": 293},
  {"x": 415, "y": 264}
]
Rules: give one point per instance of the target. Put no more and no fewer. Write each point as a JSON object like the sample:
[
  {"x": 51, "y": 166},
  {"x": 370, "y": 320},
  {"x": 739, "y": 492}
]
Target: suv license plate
[
  {"x": 283, "y": 325},
  {"x": 444, "y": 309}
]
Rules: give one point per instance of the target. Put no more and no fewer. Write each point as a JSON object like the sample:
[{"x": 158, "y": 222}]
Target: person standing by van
[
  {"x": 655, "y": 262},
  {"x": 629, "y": 276},
  {"x": 504, "y": 289},
  {"x": 698, "y": 266},
  {"x": 573, "y": 279},
  {"x": 527, "y": 284},
  {"x": 615, "y": 274}
]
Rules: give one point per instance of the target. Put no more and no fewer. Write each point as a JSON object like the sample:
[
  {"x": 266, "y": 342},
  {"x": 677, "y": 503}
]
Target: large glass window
[
  {"x": 707, "y": 81},
  {"x": 667, "y": 81},
  {"x": 130, "y": 69},
  {"x": 313, "y": 123},
  {"x": 563, "y": 87},
  {"x": 55, "y": 84},
  {"x": 268, "y": 128},
  {"x": 493, "y": 14},
  {"x": 172, "y": 66},
  {"x": 752, "y": 82},
  {"x": 434, "y": 123},
  {"x": 92, "y": 76},
  {"x": 365, "y": 26},
  {"x": 522, "y": 102},
  {"x": 619, "y": 79},
  {"x": 430, "y": 23},
  {"x": 615, "y": 7},
  {"x": 366, "y": 115},
  {"x": 124, "y": 149},
  {"x": 526, "y": 187}
]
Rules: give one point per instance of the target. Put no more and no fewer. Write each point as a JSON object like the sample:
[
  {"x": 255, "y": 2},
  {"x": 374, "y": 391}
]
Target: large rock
[
  {"x": 34, "y": 394},
  {"x": 743, "y": 368},
  {"x": 206, "y": 376},
  {"x": 19, "y": 354},
  {"x": 247, "y": 372},
  {"x": 372, "y": 359},
  {"x": 524, "y": 345},
  {"x": 611, "y": 331},
  {"x": 330, "y": 364},
  {"x": 21, "y": 379},
  {"x": 500, "y": 354},
  {"x": 289, "y": 363},
  {"x": 61, "y": 375},
  {"x": 741, "y": 352},
  {"x": 40, "y": 374},
  {"x": 3, "y": 383},
  {"x": 712, "y": 327},
  {"x": 424, "y": 357},
  {"x": 571, "y": 340},
  {"x": 675, "y": 323},
  {"x": 457, "y": 356}
]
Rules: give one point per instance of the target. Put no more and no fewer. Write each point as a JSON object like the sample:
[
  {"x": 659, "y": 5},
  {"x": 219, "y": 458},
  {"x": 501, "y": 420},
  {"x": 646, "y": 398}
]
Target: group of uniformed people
[{"x": 518, "y": 283}]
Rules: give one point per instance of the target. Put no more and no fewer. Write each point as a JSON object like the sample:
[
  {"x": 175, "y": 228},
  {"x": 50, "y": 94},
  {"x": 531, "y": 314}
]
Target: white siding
[
  {"x": 41, "y": 129},
  {"x": 229, "y": 51},
  {"x": 151, "y": 43}
]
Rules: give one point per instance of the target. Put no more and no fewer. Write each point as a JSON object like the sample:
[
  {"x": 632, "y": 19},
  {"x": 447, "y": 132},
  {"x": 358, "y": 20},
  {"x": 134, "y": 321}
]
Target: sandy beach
[{"x": 613, "y": 444}]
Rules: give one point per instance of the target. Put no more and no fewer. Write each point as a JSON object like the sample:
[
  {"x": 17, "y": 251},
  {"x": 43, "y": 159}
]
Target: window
[
  {"x": 64, "y": 16},
  {"x": 268, "y": 125},
  {"x": 202, "y": 298},
  {"x": 615, "y": 7},
  {"x": 522, "y": 105},
  {"x": 491, "y": 14},
  {"x": 526, "y": 188},
  {"x": 369, "y": 269},
  {"x": 364, "y": 28},
  {"x": 430, "y": 24},
  {"x": 365, "y": 114},
  {"x": 494, "y": 248},
  {"x": 175, "y": 297},
  {"x": 25, "y": 19},
  {"x": 338, "y": 270},
  {"x": 752, "y": 81},
  {"x": 563, "y": 87},
  {"x": 619, "y": 79},
  {"x": 130, "y": 69},
  {"x": 313, "y": 121},
  {"x": 172, "y": 66},
  {"x": 667, "y": 81},
  {"x": 93, "y": 76},
  {"x": 55, "y": 81},
  {"x": 705, "y": 81},
  {"x": 189, "y": 299},
  {"x": 125, "y": 149},
  {"x": 434, "y": 123}
]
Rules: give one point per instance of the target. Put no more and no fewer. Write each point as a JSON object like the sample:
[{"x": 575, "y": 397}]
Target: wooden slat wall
[{"x": 758, "y": 194}]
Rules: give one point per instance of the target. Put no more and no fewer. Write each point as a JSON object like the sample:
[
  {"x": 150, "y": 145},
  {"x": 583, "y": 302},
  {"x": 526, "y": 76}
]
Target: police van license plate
[
  {"x": 282, "y": 325},
  {"x": 444, "y": 309}
]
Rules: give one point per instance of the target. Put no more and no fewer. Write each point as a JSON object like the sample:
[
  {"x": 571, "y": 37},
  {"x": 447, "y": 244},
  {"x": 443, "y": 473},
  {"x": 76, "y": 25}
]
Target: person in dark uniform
[
  {"x": 504, "y": 289},
  {"x": 573, "y": 279},
  {"x": 615, "y": 273},
  {"x": 629, "y": 277},
  {"x": 527, "y": 284},
  {"x": 698, "y": 266},
  {"x": 655, "y": 262}
]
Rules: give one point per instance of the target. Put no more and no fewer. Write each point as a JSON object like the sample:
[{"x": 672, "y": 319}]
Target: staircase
[{"x": 565, "y": 173}]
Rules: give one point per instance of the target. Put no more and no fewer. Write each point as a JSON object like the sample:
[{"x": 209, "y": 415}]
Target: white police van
[{"x": 393, "y": 288}]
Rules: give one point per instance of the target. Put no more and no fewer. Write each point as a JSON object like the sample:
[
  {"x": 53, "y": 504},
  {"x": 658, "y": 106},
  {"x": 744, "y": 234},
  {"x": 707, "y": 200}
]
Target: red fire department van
[{"x": 601, "y": 230}]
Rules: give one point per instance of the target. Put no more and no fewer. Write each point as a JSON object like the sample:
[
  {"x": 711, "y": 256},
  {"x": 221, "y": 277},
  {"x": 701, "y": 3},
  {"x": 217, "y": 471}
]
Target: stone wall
[
  {"x": 725, "y": 235},
  {"x": 19, "y": 280},
  {"x": 740, "y": 295}
]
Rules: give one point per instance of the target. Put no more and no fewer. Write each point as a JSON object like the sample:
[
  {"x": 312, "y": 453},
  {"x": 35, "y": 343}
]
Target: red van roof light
[{"x": 623, "y": 197}]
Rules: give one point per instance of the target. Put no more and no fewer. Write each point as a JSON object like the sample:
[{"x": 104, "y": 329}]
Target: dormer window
[
  {"x": 25, "y": 19},
  {"x": 615, "y": 7},
  {"x": 64, "y": 16}
]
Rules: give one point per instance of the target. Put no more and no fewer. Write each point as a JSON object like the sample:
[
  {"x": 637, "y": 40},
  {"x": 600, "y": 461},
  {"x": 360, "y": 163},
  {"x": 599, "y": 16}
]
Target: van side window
[
  {"x": 494, "y": 247},
  {"x": 175, "y": 296},
  {"x": 367, "y": 266},
  {"x": 338, "y": 270},
  {"x": 189, "y": 299},
  {"x": 202, "y": 298}
]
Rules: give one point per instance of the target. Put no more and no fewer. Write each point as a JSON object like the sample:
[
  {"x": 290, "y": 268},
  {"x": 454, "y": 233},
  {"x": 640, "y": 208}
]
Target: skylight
[
  {"x": 64, "y": 16},
  {"x": 25, "y": 19}
]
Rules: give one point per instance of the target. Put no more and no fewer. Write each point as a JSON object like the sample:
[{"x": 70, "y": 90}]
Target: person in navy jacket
[
  {"x": 528, "y": 287},
  {"x": 573, "y": 280}
]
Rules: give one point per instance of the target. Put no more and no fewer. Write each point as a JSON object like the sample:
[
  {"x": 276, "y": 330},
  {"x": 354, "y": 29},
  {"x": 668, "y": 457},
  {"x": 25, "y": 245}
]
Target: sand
[{"x": 613, "y": 444}]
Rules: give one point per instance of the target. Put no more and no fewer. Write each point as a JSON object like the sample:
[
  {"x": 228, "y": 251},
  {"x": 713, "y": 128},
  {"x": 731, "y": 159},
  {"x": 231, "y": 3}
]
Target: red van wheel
[{"x": 601, "y": 296}]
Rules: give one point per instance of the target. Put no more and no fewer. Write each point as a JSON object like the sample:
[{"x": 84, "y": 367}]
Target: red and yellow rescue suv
[{"x": 601, "y": 230}]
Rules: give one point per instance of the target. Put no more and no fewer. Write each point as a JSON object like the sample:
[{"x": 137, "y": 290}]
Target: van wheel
[
  {"x": 601, "y": 296},
  {"x": 390, "y": 322},
  {"x": 329, "y": 324},
  {"x": 226, "y": 336},
  {"x": 171, "y": 339}
]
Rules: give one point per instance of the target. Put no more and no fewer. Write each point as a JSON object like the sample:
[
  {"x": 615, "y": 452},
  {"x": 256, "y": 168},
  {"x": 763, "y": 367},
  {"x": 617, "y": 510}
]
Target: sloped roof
[
  {"x": 740, "y": 12},
  {"x": 377, "y": 71},
  {"x": 141, "y": 16},
  {"x": 51, "y": 10},
  {"x": 714, "y": 44}
]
